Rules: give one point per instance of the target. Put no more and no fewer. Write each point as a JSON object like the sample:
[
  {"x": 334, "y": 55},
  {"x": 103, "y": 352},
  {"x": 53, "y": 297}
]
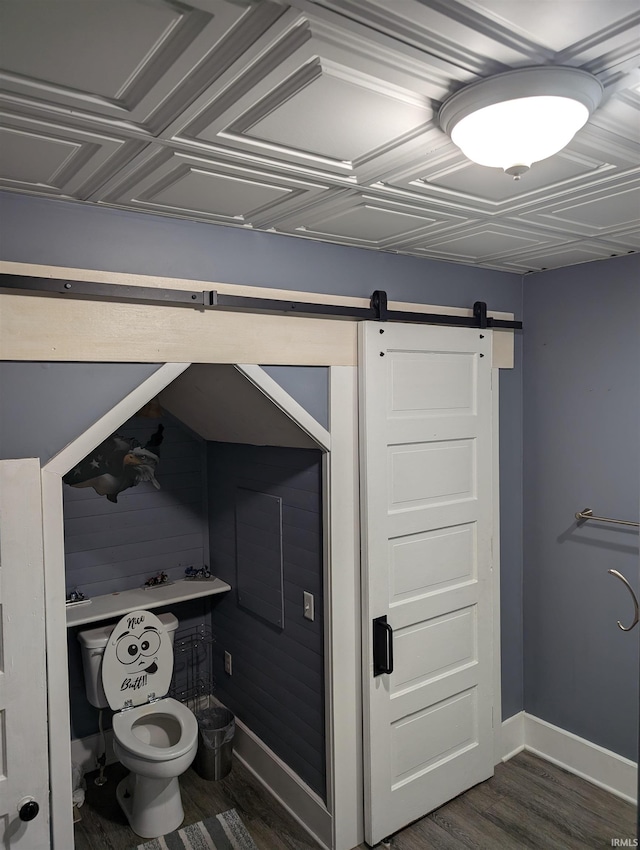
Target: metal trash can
[{"x": 216, "y": 728}]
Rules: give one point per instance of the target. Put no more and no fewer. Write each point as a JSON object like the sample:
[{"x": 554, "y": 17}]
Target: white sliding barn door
[
  {"x": 426, "y": 444},
  {"x": 24, "y": 771}
]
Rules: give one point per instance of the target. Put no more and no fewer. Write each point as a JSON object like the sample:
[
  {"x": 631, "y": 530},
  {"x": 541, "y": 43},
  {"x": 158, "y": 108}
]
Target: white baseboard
[
  {"x": 601, "y": 767},
  {"x": 281, "y": 782},
  {"x": 512, "y": 737}
]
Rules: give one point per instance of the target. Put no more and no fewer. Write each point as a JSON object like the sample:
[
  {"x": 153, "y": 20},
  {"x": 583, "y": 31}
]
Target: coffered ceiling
[{"x": 319, "y": 119}]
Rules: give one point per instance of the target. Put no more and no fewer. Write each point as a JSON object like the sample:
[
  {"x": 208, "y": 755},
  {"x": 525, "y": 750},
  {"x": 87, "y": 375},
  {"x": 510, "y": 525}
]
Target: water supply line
[{"x": 101, "y": 779}]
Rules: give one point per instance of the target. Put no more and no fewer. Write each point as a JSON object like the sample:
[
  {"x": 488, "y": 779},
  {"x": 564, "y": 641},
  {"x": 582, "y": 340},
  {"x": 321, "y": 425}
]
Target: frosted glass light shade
[
  {"x": 519, "y": 132},
  {"x": 515, "y": 119}
]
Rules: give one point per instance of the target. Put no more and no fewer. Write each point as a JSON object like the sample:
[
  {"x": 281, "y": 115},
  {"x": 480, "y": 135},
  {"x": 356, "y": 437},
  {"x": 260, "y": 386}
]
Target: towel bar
[{"x": 587, "y": 513}]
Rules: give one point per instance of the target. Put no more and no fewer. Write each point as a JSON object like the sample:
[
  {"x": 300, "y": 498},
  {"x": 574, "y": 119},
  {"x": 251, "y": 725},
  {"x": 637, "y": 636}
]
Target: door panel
[
  {"x": 450, "y": 551},
  {"x": 24, "y": 771},
  {"x": 426, "y": 442}
]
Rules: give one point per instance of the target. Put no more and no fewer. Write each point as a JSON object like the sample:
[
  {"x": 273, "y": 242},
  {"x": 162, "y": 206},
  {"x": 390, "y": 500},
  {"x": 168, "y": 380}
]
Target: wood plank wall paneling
[
  {"x": 259, "y": 561},
  {"x": 112, "y": 547},
  {"x": 277, "y": 686}
]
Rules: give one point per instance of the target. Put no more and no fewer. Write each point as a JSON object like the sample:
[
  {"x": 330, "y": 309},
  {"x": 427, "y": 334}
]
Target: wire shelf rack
[{"x": 193, "y": 664}]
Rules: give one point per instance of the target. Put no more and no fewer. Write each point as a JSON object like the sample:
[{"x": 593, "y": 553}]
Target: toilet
[{"x": 128, "y": 667}]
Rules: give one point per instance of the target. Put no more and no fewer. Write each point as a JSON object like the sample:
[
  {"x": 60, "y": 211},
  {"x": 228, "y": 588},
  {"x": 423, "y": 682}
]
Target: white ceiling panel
[
  {"x": 620, "y": 115},
  {"x": 448, "y": 30},
  {"x": 175, "y": 183},
  {"x": 452, "y": 179},
  {"x": 134, "y": 60},
  {"x": 71, "y": 45},
  {"x": 603, "y": 211},
  {"x": 35, "y": 159},
  {"x": 318, "y": 97},
  {"x": 336, "y": 117},
  {"x": 561, "y": 24},
  {"x": 480, "y": 243},
  {"x": 624, "y": 241},
  {"x": 46, "y": 158},
  {"x": 224, "y": 195},
  {"x": 318, "y": 118},
  {"x": 366, "y": 221},
  {"x": 560, "y": 255},
  {"x": 492, "y": 188}
]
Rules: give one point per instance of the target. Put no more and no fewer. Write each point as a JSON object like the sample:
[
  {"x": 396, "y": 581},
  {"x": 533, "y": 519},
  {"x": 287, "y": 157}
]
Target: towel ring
[{"x": 635, "y": 601}]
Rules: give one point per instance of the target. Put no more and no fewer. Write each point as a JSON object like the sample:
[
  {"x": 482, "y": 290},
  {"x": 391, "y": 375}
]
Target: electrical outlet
[
  {"x": 308, "y": 605},
  {"x": 228, "y": 664}
]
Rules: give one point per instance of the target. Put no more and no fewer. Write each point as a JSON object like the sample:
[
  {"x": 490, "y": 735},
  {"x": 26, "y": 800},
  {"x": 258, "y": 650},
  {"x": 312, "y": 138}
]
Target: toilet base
[{"x": 153, "y": 807}]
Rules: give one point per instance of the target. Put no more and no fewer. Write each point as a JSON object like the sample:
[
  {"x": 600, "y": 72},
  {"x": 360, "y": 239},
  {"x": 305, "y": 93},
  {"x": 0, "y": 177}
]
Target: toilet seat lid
[{"x": 137, "y": 664}]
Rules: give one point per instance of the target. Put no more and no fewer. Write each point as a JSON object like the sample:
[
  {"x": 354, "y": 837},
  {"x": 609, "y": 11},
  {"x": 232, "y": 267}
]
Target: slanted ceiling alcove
[
  {"x": 241, "y": 491},
  {"x": 227, "y": 404},
  {"x": 119, "y": 547}
]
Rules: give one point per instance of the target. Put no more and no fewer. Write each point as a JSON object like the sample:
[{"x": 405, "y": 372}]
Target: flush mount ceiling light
[{"x": 520, "y": 117}]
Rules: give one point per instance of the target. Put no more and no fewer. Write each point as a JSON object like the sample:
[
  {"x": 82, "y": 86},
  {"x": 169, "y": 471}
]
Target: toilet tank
[{"x": 93, "y": 642}]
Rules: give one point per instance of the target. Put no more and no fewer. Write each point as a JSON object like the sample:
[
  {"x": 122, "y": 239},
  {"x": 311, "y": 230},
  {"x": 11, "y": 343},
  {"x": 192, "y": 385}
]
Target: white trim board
[
  {"x": 495, "y": 564},
  {"x": 84, "y": 752},
  {"x": 339, "y": 349},
  {"x": 281, "y": 782},
  {"x": 286, "y": 403},
  {"x": 601, "y": 767},
  {"x": 342, "y": 616}
]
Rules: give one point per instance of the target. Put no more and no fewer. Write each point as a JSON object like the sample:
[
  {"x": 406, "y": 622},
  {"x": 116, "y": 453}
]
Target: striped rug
[{"x": 222, "y": 832}]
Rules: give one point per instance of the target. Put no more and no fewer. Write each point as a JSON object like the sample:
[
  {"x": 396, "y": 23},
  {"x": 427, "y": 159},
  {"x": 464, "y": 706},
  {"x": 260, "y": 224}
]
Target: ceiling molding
[{"x": 318, "y": 119}]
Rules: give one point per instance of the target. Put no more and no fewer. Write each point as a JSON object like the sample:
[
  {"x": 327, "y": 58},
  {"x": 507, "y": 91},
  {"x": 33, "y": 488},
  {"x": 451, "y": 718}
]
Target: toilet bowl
[
  {"x": 154, "y": 736},
  {"x": 157, "y": 742}
]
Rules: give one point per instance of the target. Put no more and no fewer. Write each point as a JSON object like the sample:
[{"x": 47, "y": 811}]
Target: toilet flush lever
[{"x": 636, "y": 616}]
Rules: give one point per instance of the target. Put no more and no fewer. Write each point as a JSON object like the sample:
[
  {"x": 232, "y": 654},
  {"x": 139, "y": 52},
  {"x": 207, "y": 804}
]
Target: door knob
[{"x": 28, "y": 809}]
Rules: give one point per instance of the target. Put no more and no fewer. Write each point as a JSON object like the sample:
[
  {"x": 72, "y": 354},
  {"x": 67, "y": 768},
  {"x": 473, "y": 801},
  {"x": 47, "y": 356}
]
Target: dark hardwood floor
[
  {"x": 529, "y": 803},
  {"x": 104, "y": 826}
]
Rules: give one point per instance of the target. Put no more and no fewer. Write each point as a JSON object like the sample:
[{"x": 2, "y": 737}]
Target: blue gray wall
[
  {"x": 308, "y": 385},
  {"x": 277, "y": 685},
  {"x": 36, "y": 230},
  {"x": 44, "y": 406},
  {"x": 582, "y": 449}
]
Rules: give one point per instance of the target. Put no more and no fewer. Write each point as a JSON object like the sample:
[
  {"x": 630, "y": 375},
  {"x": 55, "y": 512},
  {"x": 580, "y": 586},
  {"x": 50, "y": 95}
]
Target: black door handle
[
  {"x": 28, "y": 810},
  {"x": 382, "y": 646}
]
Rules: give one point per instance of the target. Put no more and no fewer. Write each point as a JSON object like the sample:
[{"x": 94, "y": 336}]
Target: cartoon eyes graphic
[{"x": 131, "y": 647}]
